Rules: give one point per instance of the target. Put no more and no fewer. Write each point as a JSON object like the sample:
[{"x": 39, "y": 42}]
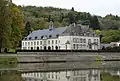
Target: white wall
[{"x": 75, "y": 43}]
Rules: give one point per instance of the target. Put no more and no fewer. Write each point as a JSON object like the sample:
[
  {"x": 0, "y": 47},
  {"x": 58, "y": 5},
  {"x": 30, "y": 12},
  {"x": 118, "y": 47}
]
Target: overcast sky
[{"x": 95, "y": 7}]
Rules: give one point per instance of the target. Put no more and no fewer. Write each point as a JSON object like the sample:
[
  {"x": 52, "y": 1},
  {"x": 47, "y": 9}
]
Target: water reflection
[
  {"x": 73, "y": 75},
  {"x": 70, "y": 71}
]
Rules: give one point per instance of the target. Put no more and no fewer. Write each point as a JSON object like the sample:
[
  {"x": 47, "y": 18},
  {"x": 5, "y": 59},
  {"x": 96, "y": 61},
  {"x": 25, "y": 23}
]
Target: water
[{"x": 70, "y": 71}]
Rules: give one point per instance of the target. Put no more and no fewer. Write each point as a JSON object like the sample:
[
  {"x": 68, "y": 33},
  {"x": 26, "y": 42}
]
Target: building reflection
[{"x": 74, "y": 75}]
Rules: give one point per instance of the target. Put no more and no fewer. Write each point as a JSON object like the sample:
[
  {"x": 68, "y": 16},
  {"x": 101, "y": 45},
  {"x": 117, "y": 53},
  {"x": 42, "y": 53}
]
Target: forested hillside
[
  {"x": 38, "y": 18},
  {"x": 16, "y": 22}
]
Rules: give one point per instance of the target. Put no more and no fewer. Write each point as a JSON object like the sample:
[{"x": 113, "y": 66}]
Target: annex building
[{"x": 72, "y": 37}]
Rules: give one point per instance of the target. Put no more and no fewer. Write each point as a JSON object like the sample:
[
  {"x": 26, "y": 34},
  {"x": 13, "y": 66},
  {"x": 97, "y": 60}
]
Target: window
[
  {"x": 48, "y": 42},
  {"x": 28, "y": 43},
  {"x": 41, "y": 37},
  {"x": 23, "y": 43},
  {"x": 89, "y": 40},
  {"x": 74, "y": 40},
  {"x": 73, "y": 46},
  {"x": 52, "y": 41},
  {"x": 37, "y": 42},
  {"x": 95, "y": 40},
  {"x": 37, "y": 48},
  {"x": 50, "y": 36},
  {"x": 36, "y": 37},
  {"x": 31, "y": 48},
  {"x": 30, "y": 38},
  {"x": 77, "y": 46},
  {"x": 80, "y": 40},
  {"x": 45, "y": 42},
  {"x": 57, "y": 35},
  {"x": 56, "y": 42},
  {"x": 40, "y": 42},
  {"x": 77, "y": 40},
  {"x": 84, "y": 40},
  {"x": 34, "y": 43}
]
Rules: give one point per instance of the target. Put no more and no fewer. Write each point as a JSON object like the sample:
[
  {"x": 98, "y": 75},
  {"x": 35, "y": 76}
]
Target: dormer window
[
  {"x": 50, "y": 36},
  {"x": 25, "y": 38},
  {"x": 41, "y": 37},
  {"x": 57, "y": 35},
  {"x": 36, "y": 37},
  {"x": 30, "y": 38}
]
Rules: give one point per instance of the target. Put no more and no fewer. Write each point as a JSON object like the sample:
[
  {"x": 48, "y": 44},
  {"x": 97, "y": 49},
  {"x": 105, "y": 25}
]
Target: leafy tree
[
  {"x": 17, "y": 26},
  {"x": 27, "y": 28},
  {"x": 4, "y": 23},
  {"x": 94, "y": 23}
]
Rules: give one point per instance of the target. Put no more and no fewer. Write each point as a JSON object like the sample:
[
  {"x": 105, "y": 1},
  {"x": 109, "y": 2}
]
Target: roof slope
[{"x": 46, "y": 33}]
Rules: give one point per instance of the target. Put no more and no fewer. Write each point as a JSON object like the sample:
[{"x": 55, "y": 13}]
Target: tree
[
  {"x": 17, "y": 26},
  {"x": 4, "y": 24},
  {"x": 27, "y": 28},
  {"x": 94, "y": 23},
  {"x": 71, "y": 17}
]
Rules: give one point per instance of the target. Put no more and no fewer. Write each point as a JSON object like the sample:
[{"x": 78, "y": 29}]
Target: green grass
[
  {"x": 8, "y": 62},
  {"x": 108, "y": 77}
]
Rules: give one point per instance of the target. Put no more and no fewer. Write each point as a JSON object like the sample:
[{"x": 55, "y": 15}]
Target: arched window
[
  {"x": 56, "y": 47},
  {"x": 37, "y": 48},
  {"x": 44, "y": 47},
  {"x": 49, "y": 48},
  {"x": 31, "y": 48}
]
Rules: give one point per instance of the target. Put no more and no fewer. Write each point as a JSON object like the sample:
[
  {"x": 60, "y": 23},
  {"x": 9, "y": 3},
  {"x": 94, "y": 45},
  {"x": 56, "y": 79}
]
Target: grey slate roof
[
  {"x": 77, "y": 30},
  {"x": 46, "y": 33}
]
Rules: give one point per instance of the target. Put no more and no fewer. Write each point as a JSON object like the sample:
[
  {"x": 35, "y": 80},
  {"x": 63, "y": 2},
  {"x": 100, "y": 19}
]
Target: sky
[{"x": 94, "y": 7}]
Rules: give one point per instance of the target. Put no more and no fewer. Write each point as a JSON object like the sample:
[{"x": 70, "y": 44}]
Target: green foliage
[
  {"x": 8, "y": 60},
  {"x": 14, "y": 18},
  {"x": 109, "y": 77},
  {"x": 11, "y": 25},
  {"x": 10, "y": 76},
  {"x": 109, "y": 35}
]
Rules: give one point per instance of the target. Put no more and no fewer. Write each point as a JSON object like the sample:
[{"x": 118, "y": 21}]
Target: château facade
[{"x": 72, "y": 37}]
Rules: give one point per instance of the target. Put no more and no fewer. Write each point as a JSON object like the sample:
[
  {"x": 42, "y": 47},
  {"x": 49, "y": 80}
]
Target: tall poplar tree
[{"x": 4, "y": 23}]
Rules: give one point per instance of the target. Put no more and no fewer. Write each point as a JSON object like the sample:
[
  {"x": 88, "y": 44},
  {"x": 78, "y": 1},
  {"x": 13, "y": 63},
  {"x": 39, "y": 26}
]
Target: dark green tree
[
  {"x": 71, "y": 17},
  {"x": 27, "y": 28},
  {"x": 94, "y": 23},
  {"x": 4, "y": 24}
]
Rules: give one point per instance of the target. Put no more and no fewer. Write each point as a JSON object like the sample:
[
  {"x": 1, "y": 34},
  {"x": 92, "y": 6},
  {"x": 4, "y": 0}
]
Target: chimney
[{"x": 51, "y": 26}]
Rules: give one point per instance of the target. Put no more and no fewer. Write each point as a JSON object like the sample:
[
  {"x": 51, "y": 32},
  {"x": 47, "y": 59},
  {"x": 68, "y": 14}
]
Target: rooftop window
[
  {"x": 30, "y": 38},
  {"x": 50, "y": 36},
  {"x": 25, "y": 38},
  {"x": 57, "y": 35},
  {"x": 41, "y": 37},
  {"x": 36, "y": 37}
]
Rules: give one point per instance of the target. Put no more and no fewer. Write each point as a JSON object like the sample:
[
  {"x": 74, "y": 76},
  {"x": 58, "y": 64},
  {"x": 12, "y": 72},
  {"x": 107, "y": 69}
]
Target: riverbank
[{"x": 8, "y": 62}]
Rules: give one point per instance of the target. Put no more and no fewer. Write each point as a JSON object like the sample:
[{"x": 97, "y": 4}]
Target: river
[{"x": 68, "y": 71}]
